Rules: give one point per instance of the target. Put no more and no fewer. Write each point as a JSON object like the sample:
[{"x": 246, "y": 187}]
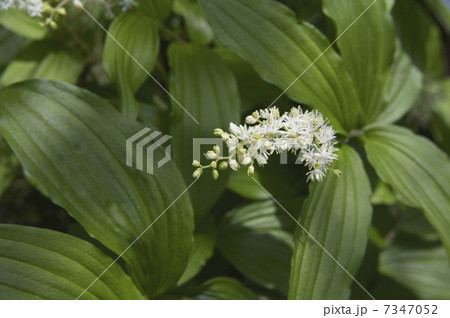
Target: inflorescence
[{"x": 267, "y": 132}]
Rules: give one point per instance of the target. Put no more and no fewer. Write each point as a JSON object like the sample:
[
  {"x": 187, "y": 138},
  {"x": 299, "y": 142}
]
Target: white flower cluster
[
  {"x": 267, "y": 133},
  {"x": 31, "y": 7}
]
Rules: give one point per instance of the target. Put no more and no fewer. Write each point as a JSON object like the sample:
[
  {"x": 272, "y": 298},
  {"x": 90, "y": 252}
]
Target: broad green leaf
[
  {"x": 10, "y": 46},
  {"x": 382, "y": 194},
  {"x": 337, "y": 214},
  {"x": 22, "y": 24},
  {"x": 202, "y": 248},
  {"x": 402, "y": 88},
  {"x": 156, "y": 9},
  {"x": 416, "y": 169},
  {"x": 266, "y": 34},
  {"x": 241, "y": 184},
  {"x": 367, "y": 46},
  {"x": 253, "y": 239},
  {"x": 425, "y": 271},
  {"x": 414, "y": 223},
  {"x": 43, "y": 264},
  {"x": 204, "y": 85},
  {"x": 224, "y": 288},
  {"x": 196, "y": 25},
  {"x": 138, "y": 48},
  {"x": 420, "y": 36},
  {"x": 9, "y": 165},
  {"x": 73, "y": 143},
  {"x": 39, "y": 60}
]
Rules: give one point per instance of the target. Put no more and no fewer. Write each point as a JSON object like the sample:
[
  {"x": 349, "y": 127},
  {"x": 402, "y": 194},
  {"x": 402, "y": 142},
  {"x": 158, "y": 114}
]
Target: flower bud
[
  {"x": 250, "y": 120},
  {"x": 246, "y": 161},
  {"x": 215, "y": 174},
  {"x": 255, "y": 114},
  {"x": 218, "y": 132},
  {"x": 211, "y": 155},
  {"x": 213, "y": 164},
  {"x": 223, "y": 165},
  {"x": 197, "y": 173},
  {"x": 251, "y": 171},
  {"x": 216, "y": 149},
  {"x": 195, "y": 163}
]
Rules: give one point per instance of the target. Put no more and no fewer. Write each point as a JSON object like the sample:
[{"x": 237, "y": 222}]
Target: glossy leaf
[
  {"x": 425, "y": 271},
  {"x": 202, "y": 249},
  {"x": 367, "y": 46},
  {"x": 224, "y": 288},
  {"x": 22, "y": 24},
  {"x": 43, "y": 264},
  {"x": 204, "y": 85},
  {"x": 253, "y": 239},
  {"x": 157, "y": 9},
  {"x": 416, "y": 169},
  {"x": 196, "y": 25},
  {"x": 73, "y": 144},
  {"x": 402, "y": 89},
  {"x": 266, "y": 34},
  {"x": 138, "y": 36},
  {"x": 337, "y": 214}
]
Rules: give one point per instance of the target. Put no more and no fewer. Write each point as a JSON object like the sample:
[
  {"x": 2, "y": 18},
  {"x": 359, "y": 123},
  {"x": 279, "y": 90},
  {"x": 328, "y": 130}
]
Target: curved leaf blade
[
  {"x": 416, "y": 169},
  {"x": 43, "y": 264},
  {"x": 206, "y": 87},
  {"x": 253, "y": 239},
  {"x": 367, "y": 47},
  {"x": 139, "y": 36},
  {"x": 266, "y": 34},
  {"x": 73, "y": 143},
  {"x": 337, "y": 214},
  {"x": 224, "y": 288}
]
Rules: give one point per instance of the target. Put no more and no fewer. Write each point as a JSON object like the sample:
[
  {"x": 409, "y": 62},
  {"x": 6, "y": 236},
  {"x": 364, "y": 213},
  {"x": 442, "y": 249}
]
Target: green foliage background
[{"x": 70, "y": 97}]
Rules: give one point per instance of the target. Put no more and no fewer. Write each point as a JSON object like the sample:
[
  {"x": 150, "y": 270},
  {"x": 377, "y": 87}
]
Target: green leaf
[
  {"x": 420, "y": 36},
  {"x": 224, "y": 288},
  {"x": 266, "y": 34},
  {"x": 202, "y": 248},
  {"x": 439, "y": 99},
  {"x": 441, "y": 9},
  {"x": 22, "y": 24},
  {"x": 402, "y": 89},
  {"x": 9, "y": 166},
  {"x": 43, "y": 264},
  {"x": 156, "y": 9},
  {"x": 367, "y": 47},
  {"x": 416, "y": 169},
  {"x": 425, "y": 271},
  {"x": 205, "y": 86},
  {"x": 139, "y": 44},
  {"x": 241, "y": 184},
  {"x": 196, "y": 25},
  {"x": 253, "y": 239},
  {"x": 337, "y": 214},
  {"x": 10, "y": 45},
  {"x": 73, "y": 143}
]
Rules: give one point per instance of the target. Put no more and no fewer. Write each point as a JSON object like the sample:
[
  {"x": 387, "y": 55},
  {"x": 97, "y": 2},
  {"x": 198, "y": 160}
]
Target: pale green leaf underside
[
  {"x": 43, "y": 264},
  {"x": 337, "y": 214},
  {"x": 416, "y": 169},
  {"x": 424, "y": 271},
  {"x": 73, "y": 144},
  {"x": 207, "y": 89},
  {"x": 266, "y": 34},
  {"x": 251, "y": 237}
]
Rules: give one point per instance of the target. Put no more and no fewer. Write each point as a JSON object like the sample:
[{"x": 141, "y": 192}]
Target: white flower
[{"x": 268, "y": 132}]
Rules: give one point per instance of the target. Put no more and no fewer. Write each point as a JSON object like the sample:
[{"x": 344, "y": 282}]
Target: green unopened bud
[
  {"x": 215, "y": 174},
  {"x": 211, "y": 155},
  {"x": 255, "y": 114},
  {"x": 251, "y": 171},
  {"x": 216, "y": 149},
  {"x": 218, "y": 132},
  {"x": 223, "y": 165},
  {"x": 61, "y": 11},
  {"x": 195, "y": 163},
  {"x": 337, "y": 172},
  {"x": 213, "y": 164},
  {"x": 197, "y": 173}
]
